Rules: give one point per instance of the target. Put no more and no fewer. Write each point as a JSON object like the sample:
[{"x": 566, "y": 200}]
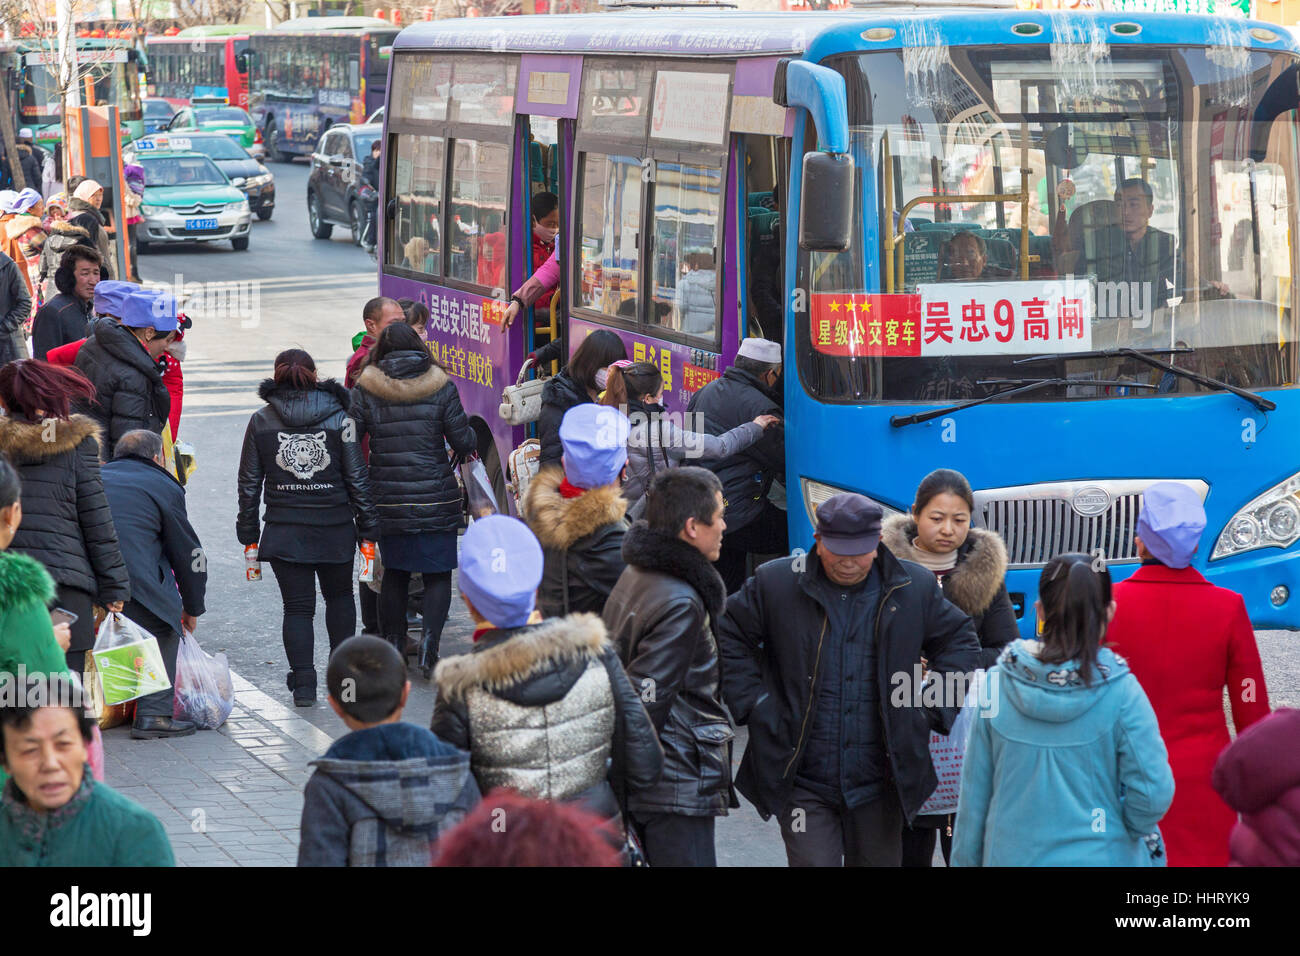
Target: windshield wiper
[
  {"x": 1022, "y": 385},
  {"x": 1147, "y": 357}
]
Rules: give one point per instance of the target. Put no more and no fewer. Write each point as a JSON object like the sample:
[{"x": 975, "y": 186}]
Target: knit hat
[{"x": 87, "y": 189}]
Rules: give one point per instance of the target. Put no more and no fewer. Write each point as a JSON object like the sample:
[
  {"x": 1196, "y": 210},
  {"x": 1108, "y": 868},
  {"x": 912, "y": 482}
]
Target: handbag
[
  {"x": 522, "y": 467},
  {"x": 521, "y": 402},
  {"x": 948, "y": 753}
]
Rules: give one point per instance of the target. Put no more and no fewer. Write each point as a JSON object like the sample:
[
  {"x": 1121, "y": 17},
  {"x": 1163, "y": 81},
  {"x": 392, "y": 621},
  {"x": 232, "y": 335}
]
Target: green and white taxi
[{"x": 188, "y": 199}]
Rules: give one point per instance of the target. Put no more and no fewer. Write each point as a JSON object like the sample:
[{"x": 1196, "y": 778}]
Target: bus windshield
[
  {"x": 1029, "y": 202},
  {"x": 116, "y": 84},
  {"x": 182, "y": 171}
]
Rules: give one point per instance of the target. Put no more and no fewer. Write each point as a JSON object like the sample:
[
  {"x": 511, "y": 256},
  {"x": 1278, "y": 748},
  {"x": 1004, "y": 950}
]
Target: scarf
[
  {"x": 940, "y": 564},
  {"x": 570, "y": 491}
]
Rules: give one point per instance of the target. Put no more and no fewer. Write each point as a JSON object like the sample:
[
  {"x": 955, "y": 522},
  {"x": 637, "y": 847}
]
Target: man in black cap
[{"x": 814, "y": 651}]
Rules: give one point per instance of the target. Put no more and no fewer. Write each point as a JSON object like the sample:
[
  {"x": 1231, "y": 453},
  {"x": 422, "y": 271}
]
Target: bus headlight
[
  {"x": 1270, "y": 521},
  {"x": 146, "y": 210},
  {"x": 817, "y": 493}
]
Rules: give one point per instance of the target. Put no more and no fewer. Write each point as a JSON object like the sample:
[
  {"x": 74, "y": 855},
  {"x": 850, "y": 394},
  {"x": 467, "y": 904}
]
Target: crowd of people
[{"x": 642, "y": 606}]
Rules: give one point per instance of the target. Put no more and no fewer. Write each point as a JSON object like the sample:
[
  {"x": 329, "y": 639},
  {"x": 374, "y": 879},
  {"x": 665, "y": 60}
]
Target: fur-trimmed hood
[
  {"x": 301, "y": 408},
  {"x": 500, "y": 665},
  {"x": 981, "y": 563},
  {"x": 384, "y": 381},
  {"x": 656, "y": 551},
  {"x": 70, "y": 230},
  {"x": 558, "y": 521},
  {"x": 20, "y": 438},
  {"x": 23, "y": 580}
]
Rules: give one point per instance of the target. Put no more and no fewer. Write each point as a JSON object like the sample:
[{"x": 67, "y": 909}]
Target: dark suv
[{"x": 335, "y": 183}]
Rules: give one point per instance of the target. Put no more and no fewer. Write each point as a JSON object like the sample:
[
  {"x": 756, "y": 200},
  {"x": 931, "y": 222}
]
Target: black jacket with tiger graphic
[{"x": 302, "y": 457}]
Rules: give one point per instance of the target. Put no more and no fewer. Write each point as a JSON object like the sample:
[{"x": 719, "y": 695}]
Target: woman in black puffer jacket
[
  {"x": 122, "y": 363},
  {"x": 304, "y": 459},
  {"x": 66, "y": 525},
  {"x": 410, "y": 409}
]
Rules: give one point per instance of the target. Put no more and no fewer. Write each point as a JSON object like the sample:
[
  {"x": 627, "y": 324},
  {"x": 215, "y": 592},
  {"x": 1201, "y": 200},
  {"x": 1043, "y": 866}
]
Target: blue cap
[
  {"x": 594, "y": 438},
  {"x": 109, "y": 294},
  {"x": 149, "y": 308},
  {"x": 1171, "y": 523},
  {"x": 500, "y": 568}
]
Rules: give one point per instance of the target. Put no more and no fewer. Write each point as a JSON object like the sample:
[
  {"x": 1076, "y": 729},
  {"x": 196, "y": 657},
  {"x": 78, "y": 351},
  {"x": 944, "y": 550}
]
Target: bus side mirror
[{"x": 826, "y": 203}]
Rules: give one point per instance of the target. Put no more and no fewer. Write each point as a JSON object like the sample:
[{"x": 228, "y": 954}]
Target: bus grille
[{"x": 1038, "y": 522}]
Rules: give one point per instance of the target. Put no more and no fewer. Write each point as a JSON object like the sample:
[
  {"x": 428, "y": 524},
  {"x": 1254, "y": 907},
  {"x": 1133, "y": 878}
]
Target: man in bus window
[
  {"x": 965, "y": 257},
  {"x": 1135, "y": 251}
]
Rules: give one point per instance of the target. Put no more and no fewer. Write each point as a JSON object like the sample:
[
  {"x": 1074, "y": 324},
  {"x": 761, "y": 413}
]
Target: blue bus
[{"x": 1049, "y": 250}]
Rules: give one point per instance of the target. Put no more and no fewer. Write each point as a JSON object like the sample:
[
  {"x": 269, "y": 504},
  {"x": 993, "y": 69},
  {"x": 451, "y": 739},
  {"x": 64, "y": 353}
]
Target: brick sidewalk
[{"x": 230, "y": 797}]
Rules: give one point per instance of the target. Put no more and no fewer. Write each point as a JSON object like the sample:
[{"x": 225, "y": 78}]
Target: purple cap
[
  {"x": 500, "y": 568},
  {"x": 1171, "y": 523},
  {"x": 594, "y": 439},
  {"x": 849, "y": 524}
]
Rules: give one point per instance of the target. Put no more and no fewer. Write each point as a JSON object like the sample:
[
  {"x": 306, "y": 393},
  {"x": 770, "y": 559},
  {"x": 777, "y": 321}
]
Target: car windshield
[
  {"x": 361, "y": 143},
  {"x": 1154, "y": 212},
  {"x": 158, "y": 110},
  {"x": 182, "y": 171},
  {"x": 218, "y": 147},
  {"x": 224, "y": 115}
]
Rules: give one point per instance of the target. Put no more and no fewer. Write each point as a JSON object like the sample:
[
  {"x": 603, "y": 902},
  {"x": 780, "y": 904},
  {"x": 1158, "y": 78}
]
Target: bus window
[
  {"x": 480, "y": 179},
  {"x": 763, "y": 208},
  {"x": 610, "y": 232},
  {"x": 483, "y": 90},
  {"x": 417, "y": 186},
  {"x": 685, "y": 277}
]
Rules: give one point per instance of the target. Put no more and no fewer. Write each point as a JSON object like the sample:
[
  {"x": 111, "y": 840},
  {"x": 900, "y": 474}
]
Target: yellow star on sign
[
  {"x": 835, "y": 306},
  {"x": 866, "y": 306},
  {"x": 850, "y": 306}
]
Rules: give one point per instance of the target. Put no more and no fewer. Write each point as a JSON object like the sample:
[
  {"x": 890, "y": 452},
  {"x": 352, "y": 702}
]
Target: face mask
[{"x": 545, "y": 234}]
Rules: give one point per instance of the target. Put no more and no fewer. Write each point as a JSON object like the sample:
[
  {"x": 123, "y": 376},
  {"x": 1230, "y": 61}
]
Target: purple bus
[{"x": 666, "y": 161}]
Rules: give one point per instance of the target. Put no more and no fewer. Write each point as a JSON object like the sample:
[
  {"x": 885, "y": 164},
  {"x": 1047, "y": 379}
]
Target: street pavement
[{"x": 234, "y": 796}]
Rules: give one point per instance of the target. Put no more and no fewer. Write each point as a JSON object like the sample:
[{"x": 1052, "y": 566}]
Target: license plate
[{"x": 200, "y": 223}]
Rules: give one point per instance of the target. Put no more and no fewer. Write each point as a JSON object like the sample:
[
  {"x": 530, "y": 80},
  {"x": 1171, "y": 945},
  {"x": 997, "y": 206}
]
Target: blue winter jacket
[{"x": 1062, "y": 774}]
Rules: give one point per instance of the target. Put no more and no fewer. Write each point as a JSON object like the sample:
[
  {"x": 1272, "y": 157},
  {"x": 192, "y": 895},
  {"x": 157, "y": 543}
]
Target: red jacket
[
  {"x": 358, "y": 358},
  {"x": 1259, "y": 776},
  {"x": 1185, "y": 640},
  {"x": 172, "y": 377}
]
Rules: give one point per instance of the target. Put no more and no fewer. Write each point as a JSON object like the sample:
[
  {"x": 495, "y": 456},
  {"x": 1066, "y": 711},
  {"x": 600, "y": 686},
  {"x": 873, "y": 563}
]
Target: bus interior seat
[
  {"x": 536, "y": 165},
  {"x": 1086, "y": 224}
]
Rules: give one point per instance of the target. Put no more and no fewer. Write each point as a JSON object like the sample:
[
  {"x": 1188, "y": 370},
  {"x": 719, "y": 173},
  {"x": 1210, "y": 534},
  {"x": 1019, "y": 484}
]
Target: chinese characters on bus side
[
  {"x": 647, "y": 353},
  {"x": 977, "y": 318}
]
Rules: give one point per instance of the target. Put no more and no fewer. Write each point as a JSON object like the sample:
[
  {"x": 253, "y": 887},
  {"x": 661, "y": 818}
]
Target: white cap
[
  {"x": 760, "y": 350},
  {"x": 25, "y": 134}
]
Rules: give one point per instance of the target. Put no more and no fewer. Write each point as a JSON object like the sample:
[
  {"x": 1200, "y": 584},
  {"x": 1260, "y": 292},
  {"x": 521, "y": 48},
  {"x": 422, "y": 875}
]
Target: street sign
[{"x": 84, "y": 57}]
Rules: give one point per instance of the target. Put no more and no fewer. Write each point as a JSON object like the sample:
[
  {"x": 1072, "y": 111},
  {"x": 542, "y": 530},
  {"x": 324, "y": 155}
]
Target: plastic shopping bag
[
  {"x": 482, "y": 500},
  {"x": 106, "y": 716},
  {"x": 128, "y": 660},
  {"x": 204, "y": 691},
  {"x": 949, "y": 753}
]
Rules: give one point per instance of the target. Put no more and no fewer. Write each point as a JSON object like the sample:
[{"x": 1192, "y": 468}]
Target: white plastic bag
[
  {"x": 128, "y": 661},
  {"x": 948, "y": 754},
  {"x": 205, "y": 693},
  {"x": 482, "y": 499}
]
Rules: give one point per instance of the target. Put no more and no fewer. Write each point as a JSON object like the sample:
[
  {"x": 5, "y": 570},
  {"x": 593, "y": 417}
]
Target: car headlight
[
  {"x": 1270, "y": 521},
  {"x": 147, "y": 210},
  {"x": 817, "y": 493},
  {"x": 241, "y": 206},
  {"x": 259, "y": 180}
]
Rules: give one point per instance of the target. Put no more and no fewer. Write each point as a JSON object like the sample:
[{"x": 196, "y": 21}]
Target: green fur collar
[{"x": 23, "y": 579}]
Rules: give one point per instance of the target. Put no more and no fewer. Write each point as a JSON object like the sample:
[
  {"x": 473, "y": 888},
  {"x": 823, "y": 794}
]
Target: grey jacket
[
  {"x": 381, "y": 796},
  {"x": 548, "y": 711},
  {"x": 657, "y": 443}
]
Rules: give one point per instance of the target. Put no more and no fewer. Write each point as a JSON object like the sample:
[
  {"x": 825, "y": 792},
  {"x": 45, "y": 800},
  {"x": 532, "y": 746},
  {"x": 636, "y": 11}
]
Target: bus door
[
  {"x": 763, "y": 156},
  {"x": 547, "y": 103}
]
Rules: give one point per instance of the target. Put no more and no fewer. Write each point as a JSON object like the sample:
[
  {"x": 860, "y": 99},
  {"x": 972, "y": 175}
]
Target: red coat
[{"x": 1185, "y": 640}]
